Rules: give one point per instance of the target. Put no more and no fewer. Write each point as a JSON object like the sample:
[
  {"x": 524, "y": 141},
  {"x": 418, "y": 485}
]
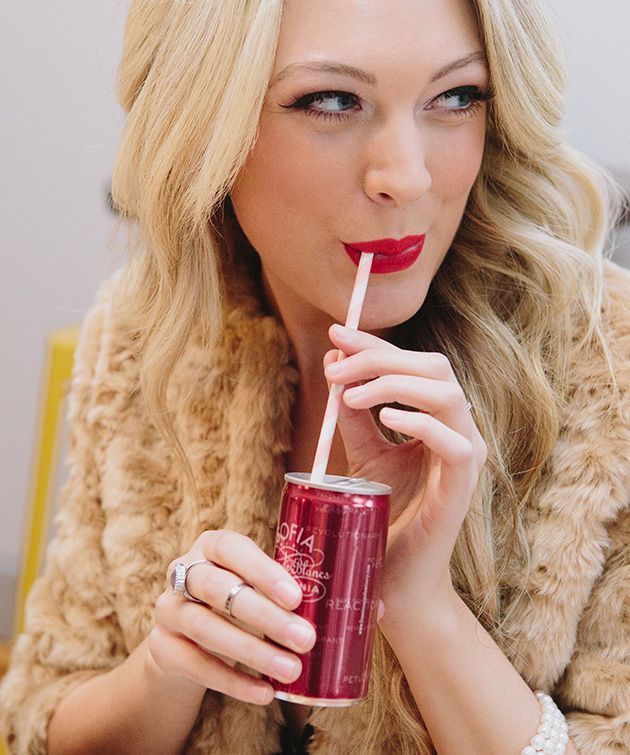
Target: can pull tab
[{"x": 353, "y": 482}]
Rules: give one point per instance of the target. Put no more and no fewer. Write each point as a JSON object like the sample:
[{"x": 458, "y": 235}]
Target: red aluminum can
[{"x": 331, "y": 538}]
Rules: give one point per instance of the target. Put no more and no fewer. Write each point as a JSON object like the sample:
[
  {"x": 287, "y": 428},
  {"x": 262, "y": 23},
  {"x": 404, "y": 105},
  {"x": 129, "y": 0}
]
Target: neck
[{"x": 307, "y": 329}]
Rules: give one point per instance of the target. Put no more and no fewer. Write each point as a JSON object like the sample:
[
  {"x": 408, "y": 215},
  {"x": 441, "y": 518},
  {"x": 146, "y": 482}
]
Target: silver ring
[
  {"x": 231, "y": 595},
  {"x": 179, "y": 577},
  {"x": 468, "y": 406}
]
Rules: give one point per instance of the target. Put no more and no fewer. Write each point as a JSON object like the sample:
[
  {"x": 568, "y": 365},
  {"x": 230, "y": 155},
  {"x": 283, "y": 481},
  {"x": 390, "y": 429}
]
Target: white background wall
[
  {"x": 596, "y": 38},
  {"x": 59, "y": 127}
]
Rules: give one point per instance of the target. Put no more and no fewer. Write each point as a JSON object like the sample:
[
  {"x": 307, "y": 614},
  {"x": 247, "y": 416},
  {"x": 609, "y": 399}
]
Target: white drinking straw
[{"x": 334, "y": 396}]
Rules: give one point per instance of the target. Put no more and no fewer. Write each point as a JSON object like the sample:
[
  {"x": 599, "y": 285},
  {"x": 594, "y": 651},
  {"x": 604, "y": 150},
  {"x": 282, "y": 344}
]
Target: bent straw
[{"x": 334, "y": 396}]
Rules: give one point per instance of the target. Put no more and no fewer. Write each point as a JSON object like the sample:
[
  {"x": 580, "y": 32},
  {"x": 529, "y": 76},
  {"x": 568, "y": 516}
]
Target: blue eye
[
  {"x": 306, "y": 103},
  {"x": 468, "y": 97},
  {"x": 464, "y": 100}
]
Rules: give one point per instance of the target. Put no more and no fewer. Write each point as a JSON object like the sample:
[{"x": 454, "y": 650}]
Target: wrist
[{"x": 437, "y": 619}]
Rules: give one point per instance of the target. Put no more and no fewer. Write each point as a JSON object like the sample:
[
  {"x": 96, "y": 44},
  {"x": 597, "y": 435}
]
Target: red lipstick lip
[
  {"x": 396, "y": 255},
  {"x": 387, "y": 246}
]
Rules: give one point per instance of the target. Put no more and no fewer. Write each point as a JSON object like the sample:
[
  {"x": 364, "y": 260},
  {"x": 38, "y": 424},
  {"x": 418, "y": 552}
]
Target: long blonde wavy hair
[{"x": 526, "y": 264}]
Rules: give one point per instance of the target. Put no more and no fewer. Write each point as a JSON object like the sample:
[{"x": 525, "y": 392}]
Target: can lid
[{"x": 339, "y": 484}]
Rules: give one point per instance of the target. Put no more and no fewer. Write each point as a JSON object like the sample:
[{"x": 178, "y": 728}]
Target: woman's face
[{"x": 344, "y": 156}]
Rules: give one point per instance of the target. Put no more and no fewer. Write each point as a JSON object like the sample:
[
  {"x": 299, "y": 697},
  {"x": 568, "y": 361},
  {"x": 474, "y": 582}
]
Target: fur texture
[{"x": 125, "y": 512}]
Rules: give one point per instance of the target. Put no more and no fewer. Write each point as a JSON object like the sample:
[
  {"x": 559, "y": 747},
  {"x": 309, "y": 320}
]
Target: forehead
[{"x": 399, "y": 32}]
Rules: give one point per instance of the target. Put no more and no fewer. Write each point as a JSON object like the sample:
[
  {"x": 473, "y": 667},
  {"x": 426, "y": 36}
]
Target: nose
[{"x": 396, "y": 172}]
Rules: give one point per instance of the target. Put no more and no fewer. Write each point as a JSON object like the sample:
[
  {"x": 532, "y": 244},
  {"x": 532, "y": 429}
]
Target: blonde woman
[{"x": 490, "y": 390}]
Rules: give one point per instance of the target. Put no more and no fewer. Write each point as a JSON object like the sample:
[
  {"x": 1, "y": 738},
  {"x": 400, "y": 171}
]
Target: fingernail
[
  {"x": 288, "y": 592},
  {"x": 341, "y": 330},
  {"x": 381, "y": 610},
  {"x": 334, "y": 368},
  {"x": 285, "y": 667},
  {"x": 391, "y": 415},
  {"x": 355, "y": 392},
  {"x": 264, "y": 694},
  {"x": 299, "y": 634}
]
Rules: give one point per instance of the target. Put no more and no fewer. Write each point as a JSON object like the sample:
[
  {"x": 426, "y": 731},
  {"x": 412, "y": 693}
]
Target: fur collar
[{"x": 234, "y": 418}]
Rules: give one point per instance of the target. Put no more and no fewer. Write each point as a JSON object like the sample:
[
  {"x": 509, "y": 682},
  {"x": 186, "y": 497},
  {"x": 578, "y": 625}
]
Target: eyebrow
[{"x": 329, "y": 66}]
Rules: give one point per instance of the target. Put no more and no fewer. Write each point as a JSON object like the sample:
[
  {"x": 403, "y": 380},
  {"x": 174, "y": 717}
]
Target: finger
[
  {"x": 374, "y": 362},
  {"x": 362, "y": 438},
  {"x": 167, "y": 609},
  {"x": 351, "y": 341},
  {"x": 359, "y": 433},
  {"x": 331, "y": 356},
  {"x": 212, "y": 584},
  {"x": 442, "y": 399},
  {"x": 176, "y": 655},
  {"x": 456, "y": 452},
  {"x": 239, "y": 554},
  {"x": 216, "y": 634}
]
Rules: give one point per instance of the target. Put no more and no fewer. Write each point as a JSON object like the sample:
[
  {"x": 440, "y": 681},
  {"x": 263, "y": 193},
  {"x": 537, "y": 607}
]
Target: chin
[
  {"x": 379, "y": 322},
  {"x": 381, "y": 314}
]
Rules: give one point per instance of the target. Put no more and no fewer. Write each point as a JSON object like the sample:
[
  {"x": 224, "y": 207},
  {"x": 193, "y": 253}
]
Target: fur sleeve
[
  {"x": 595, "y": 688},
  {"x": 71, "y": 631}
]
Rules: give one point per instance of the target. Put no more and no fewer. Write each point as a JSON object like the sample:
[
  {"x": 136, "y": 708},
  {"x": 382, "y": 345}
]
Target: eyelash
[{"x": 303, "y": 103}]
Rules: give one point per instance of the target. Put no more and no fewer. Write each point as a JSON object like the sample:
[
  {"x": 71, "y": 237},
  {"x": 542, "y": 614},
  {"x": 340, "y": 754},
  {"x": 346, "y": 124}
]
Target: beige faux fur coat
[{"x": 126, "y": 511}]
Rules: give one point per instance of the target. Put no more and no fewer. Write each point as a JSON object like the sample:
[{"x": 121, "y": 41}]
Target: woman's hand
[
  {"x": 202, "y": 644},
  {"x": 432, "y": 476}
]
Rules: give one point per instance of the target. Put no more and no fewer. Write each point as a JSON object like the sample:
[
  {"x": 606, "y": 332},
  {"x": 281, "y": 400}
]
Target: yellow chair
[{"x": 60, "y": 350}]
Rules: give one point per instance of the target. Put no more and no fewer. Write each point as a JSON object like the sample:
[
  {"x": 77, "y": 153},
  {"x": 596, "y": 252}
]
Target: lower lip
[{"x": 388, "y": 263}]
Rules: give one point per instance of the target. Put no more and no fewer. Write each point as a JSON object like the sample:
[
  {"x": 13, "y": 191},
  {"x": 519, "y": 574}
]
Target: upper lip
[{"x": 387, "y": 246}]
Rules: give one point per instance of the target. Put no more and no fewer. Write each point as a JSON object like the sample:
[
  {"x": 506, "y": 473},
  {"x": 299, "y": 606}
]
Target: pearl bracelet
[{"x": 553, "y": 733}]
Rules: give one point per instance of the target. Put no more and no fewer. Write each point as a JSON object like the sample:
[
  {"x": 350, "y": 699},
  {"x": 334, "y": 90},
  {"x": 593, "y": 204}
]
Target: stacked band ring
[
  {"x": 178, "y": 579},
  {"x": 231, "y": 595}
]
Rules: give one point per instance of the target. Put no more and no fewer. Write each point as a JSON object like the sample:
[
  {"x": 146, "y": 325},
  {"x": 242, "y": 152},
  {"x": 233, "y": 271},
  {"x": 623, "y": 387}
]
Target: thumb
[{"x": 360, "y": 435}]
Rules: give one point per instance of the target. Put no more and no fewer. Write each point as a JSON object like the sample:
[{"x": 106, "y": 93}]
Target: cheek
[
  {"x": 274, "y": 192},
  {"x": 286, "y": 171},
  {"x": 455, "y": 161}
]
